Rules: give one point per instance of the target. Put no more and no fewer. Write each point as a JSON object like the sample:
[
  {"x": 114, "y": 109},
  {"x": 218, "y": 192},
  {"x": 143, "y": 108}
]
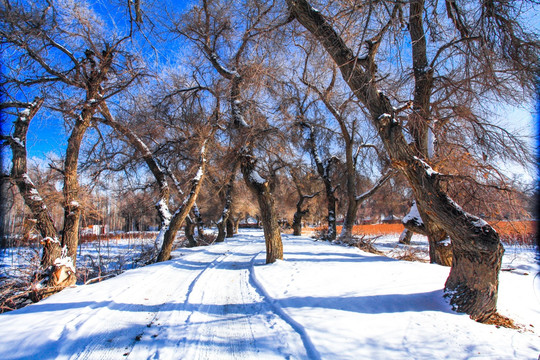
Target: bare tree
[
  {"x": 476, "y": 246},
  {"x": 207, "y": 28},
  {"x": 180, "y": 214},
  {"x": 302, "y": 197},
  {"x": 19, "y": 175},
  {"x": 324, "y": 169},
  {"x": 39, "y": 36}
]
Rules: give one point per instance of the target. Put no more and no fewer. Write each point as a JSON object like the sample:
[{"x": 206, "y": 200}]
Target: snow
[
  {"x": 413, "y": 215},
  {"x": 431, "y": 142},
  {"x": 163, "y": 209},
  {"x": 27, "y": 180},
  {"x": 18, "y": 141},
  {"x": 198, "y": 175},
  {"x": 479, "y": 223},
  {"x": 256, "y": 178},
  {"x": 429, "y": 170},
  {"x": 55, "y": 240},
  {"x": 74, "y": 203},
  {"x": 65, "y": 260},
  {"x": 25, "y": 113},
  {"x": 324, "y": 301}
]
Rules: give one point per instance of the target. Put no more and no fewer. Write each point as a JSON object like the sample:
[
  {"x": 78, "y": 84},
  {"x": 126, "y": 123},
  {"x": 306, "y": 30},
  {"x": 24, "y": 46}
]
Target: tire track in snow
[
  {"x": 125, "y": 307},
  {"x": 100, "y": 326},
  {"x": 230, "y": 318},
  {"x": 278, "y": 310}
]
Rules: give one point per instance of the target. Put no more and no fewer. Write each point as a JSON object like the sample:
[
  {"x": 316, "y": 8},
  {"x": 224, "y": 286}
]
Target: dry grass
[
  {"x": 144, "y": 235},
  {"x": 501, "y": 321}
]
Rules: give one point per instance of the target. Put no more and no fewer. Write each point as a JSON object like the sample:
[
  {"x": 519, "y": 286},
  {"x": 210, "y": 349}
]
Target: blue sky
[{"x": 47, "y": 134}]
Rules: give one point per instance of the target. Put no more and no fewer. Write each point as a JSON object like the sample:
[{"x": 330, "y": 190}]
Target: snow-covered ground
[{"x": 323, "y": 301}]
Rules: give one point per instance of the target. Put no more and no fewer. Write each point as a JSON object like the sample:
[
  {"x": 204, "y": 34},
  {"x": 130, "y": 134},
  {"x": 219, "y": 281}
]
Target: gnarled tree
[{"x": 477, "y": 251}]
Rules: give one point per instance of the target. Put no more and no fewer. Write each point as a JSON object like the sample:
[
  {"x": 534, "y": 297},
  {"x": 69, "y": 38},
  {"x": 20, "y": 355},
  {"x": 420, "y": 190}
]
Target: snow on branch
[
  {"x": 429, "y": 170},
  {"x": 413, "y": 216}
]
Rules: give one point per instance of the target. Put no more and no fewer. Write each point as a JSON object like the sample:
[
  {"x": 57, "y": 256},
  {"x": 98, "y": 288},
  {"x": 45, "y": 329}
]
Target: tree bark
[
  {"x": 324, "y": 172},
  {"x": 97, "y": 74},
  {"x": 184, "y": 209},
  {"x": 32, "y": 199},
  {"x": 72, "y": 208},
  {"x": 473, "y": 282},
  {"x": 189, "y": 230},
  {"x": 300, "y": 213},
  {"x": 440, "y": 251},
  {"x": 223, "y": 222},
  {"x": 261, "y": 189},
  {"x": 356, "y": 201},
  {"x": 405, "y": 237},
  {"x": 297, "y": 222},
  {"x": 232, "y": 227}
]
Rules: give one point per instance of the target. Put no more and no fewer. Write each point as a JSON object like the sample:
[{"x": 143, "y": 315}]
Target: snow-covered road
[{"x": 222, "y": 302}]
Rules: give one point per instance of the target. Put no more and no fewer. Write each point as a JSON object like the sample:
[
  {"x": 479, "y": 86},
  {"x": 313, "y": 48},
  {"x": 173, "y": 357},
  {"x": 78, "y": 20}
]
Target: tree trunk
[
  {"x": 72, "y": 208},
  {"x": 32, "y": 199},
  {"x": 223, "y": 222},
  {"x": 405, "y": 237},
  {"x": 297, "y": 222},
  {"x": 355, "y": 201},
  {"x": 189, "y": 230},
  {"x": 473, "y": 282},
  {"x": 180, "y": 214},
  {"x": 261, "y": 189},
  {"x": 222, "y": 228},
  {"x": 299, "y": 214},
  {"x": 232, "y": 227},
  {"x": 348, "y": 223},
  {"x": 324, "y": 172},
  {"x": 440, "y": 250},
  {"x": 197, "y": 220}
]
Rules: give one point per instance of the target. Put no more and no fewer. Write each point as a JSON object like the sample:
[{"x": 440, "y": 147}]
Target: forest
[{"x": 285, "y": 115}]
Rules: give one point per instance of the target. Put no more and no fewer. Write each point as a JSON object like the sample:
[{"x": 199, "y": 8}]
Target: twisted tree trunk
[
  {"x": 473, "y": 282},
  {"x": 226, "y": 194},
  {"x": 184, "y": 209},
  {"x": 323, "y": 169},
  {"x": 32, "y": 199},
  {"x": 261, "y": 189}
]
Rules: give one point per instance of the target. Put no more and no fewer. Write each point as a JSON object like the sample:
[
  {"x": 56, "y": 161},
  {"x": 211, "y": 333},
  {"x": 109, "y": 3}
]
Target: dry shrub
[
  {"x": 135, "y": 235},
  {"x": 364, "y": 243},
  {"x": 16, "y": 287},
  {"x": 373, "y": 229},
  {"x": 14, "y": 293},
  {"x": 408, "y": 253},
  {"x": 206, "y": 239},
  {"x": 378, "y": 229}
]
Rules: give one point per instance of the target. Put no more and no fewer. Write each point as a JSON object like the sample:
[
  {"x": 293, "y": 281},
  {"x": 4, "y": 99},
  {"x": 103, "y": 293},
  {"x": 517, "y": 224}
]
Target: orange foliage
[
  {"x": 515, "y": 227},
  {"x": 516, "y": 232},
  {"x": 373, "y": 229},
  {"x": 522, "y": 232}
]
